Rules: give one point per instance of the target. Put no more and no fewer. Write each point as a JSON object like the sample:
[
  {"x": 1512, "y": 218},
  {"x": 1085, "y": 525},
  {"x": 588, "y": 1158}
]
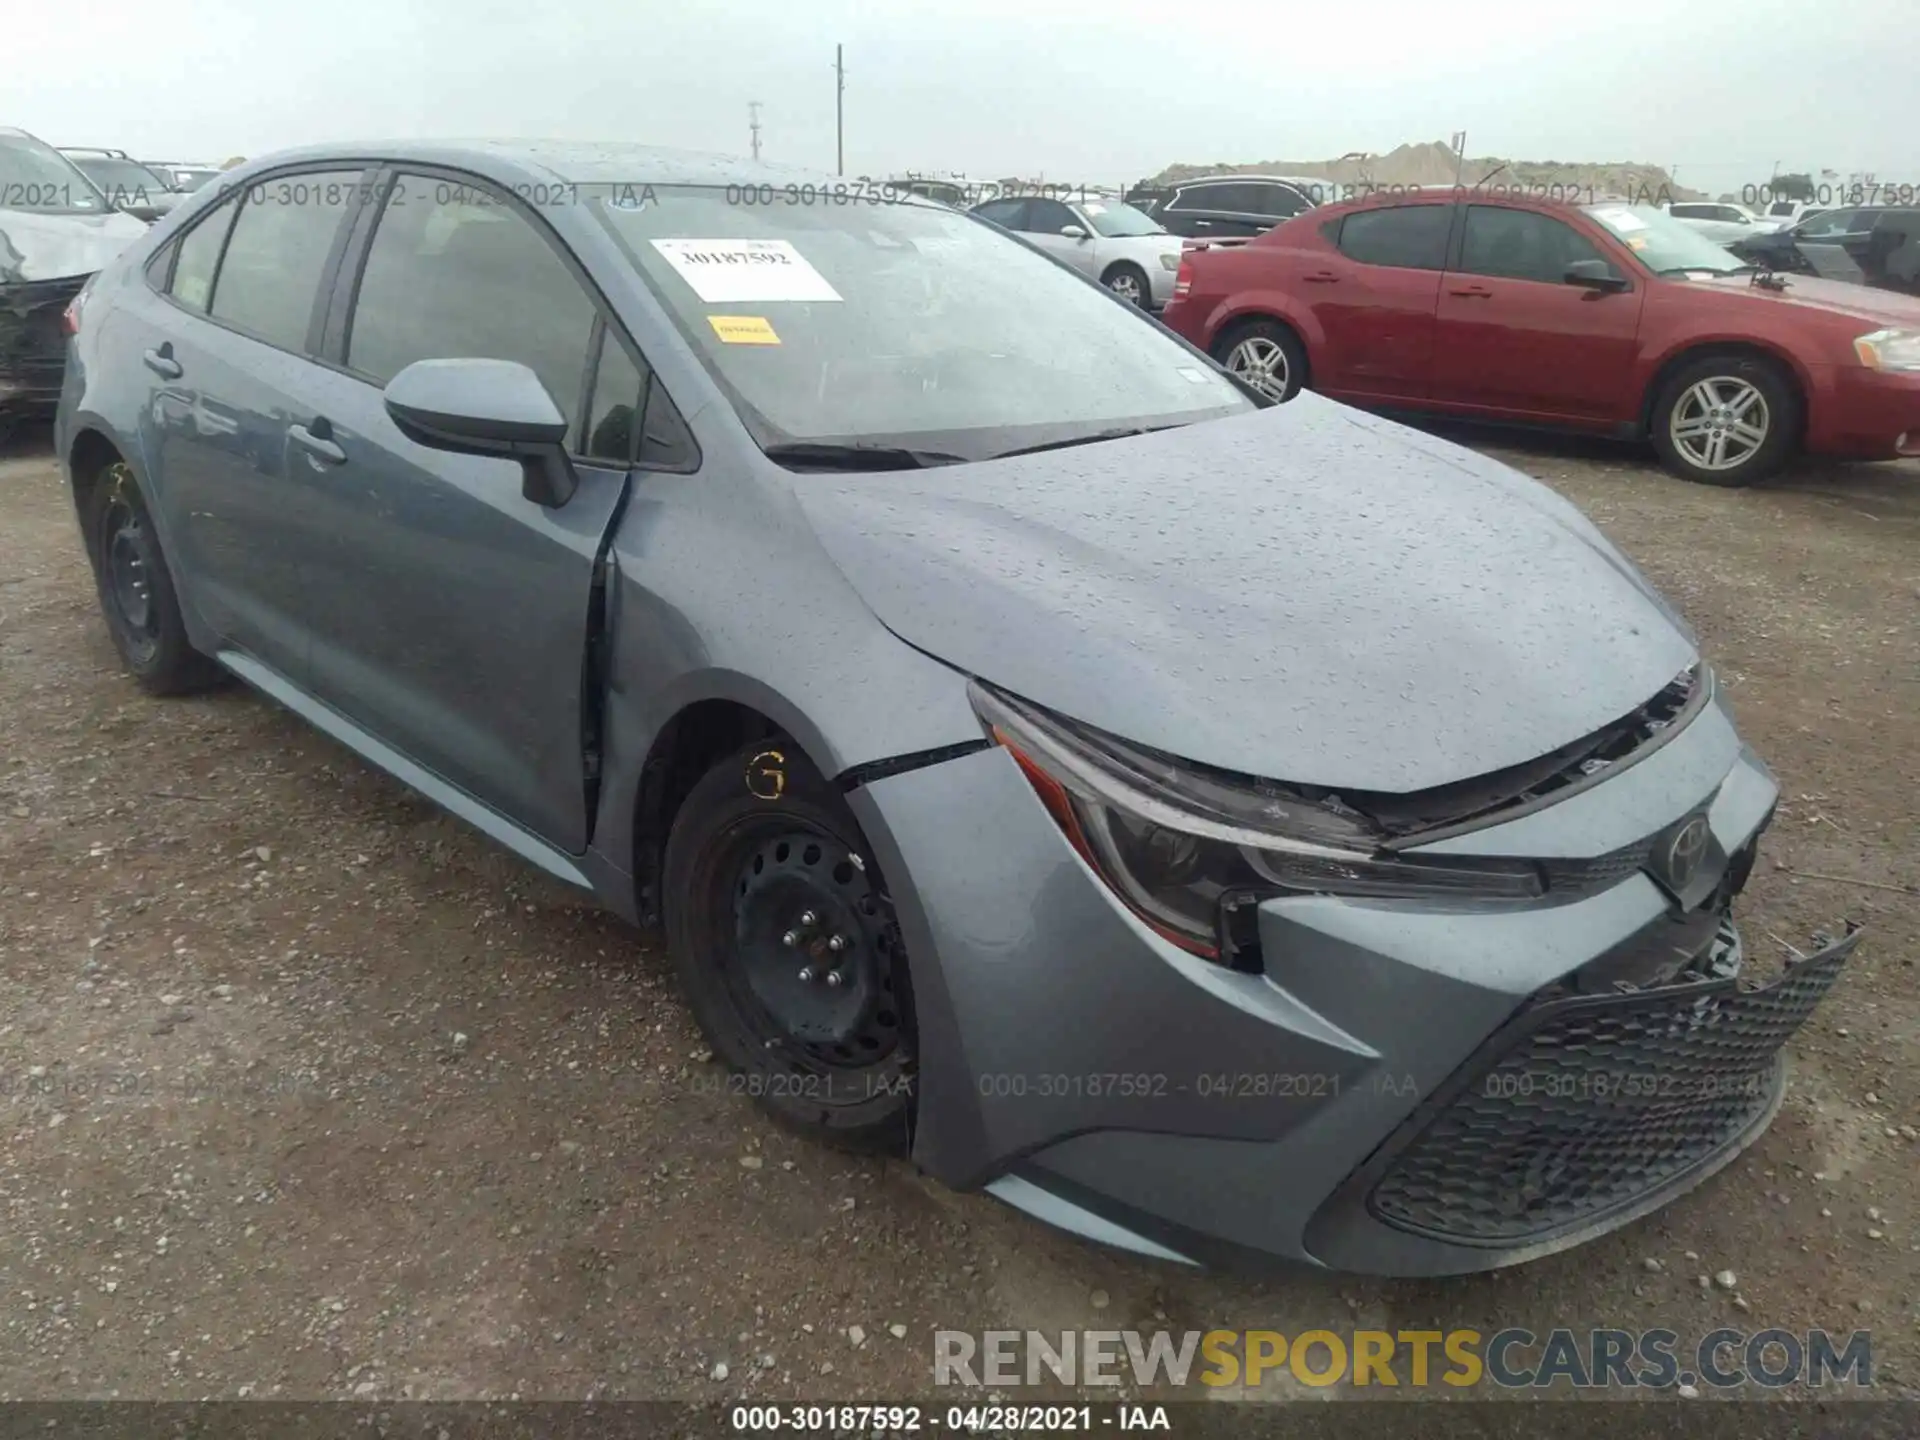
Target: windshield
[
  {"x": 125, "y": 181},
  {"x": 1662, "y": 243},
  {"x": 1115, "y": 219},
  {"x": 34, "y": 176},
  {"x": 897, "y": 322}
]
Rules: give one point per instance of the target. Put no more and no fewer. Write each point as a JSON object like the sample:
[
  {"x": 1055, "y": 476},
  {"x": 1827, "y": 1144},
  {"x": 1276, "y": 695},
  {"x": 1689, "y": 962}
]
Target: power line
[{"x": 839, "y": 110}]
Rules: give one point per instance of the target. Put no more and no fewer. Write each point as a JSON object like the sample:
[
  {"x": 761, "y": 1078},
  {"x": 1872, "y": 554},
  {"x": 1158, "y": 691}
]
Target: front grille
[
  {"x": 1598, "y": 873},
  {"x": 1582, "y": 1105}
]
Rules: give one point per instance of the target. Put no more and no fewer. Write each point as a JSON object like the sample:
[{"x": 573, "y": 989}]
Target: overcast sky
[{"x": 1097, "y": 92}]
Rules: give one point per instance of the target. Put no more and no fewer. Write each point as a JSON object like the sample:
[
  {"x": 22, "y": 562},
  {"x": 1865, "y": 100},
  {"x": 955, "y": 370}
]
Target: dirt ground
[{"x": 308, "y": 1091}]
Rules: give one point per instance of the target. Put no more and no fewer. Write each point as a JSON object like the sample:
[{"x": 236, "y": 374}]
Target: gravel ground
[{"x": 308, "y": 1091}]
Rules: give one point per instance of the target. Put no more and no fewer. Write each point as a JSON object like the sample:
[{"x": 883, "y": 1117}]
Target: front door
[
  {"x": 1515, "y": 337},
  {"x": 450, "y": 612}
]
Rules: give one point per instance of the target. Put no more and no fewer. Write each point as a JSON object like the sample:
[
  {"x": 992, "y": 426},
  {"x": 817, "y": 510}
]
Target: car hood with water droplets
[{"x": 1305, "y": 593}]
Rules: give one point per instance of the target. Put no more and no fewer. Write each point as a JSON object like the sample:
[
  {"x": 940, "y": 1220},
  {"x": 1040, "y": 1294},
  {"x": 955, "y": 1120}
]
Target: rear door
[
  {"x": 1514, "y": 336},
  {"x": 451, "y": 613},
  {"x": 1374, "y": 300},
  {"x": 228, "y": 359},
  {"x": 1892, "y": 251},
  {"x": 1215, "y": 209}
]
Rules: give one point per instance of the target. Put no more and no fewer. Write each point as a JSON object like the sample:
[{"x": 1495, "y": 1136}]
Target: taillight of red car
[{"x": 1183, "y": 278}]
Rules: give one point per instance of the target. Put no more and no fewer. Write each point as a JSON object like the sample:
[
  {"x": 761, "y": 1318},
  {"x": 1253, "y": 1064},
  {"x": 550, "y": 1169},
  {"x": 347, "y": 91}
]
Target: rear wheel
[
  {"x": 788, "y": 950},
  {"x": 136, "y": 590},
  {"x": 1726, "y": 420},
  {"x": 1265, "y": 354}
]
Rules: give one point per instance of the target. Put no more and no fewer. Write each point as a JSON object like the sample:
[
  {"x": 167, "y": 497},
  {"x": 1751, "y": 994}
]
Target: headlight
[
  {"x": 1889, "y": 349},
  {"x": 1169, "y": 262},
  {"x": 1182, "y": 845}
]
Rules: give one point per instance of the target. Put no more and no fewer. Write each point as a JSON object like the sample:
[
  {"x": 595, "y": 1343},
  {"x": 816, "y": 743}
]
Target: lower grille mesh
[{"x": 1586, "y": 1104}]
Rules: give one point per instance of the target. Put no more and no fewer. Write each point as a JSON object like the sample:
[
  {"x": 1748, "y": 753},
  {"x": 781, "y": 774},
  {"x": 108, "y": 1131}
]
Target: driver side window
[{"x": 455, "y": 271}]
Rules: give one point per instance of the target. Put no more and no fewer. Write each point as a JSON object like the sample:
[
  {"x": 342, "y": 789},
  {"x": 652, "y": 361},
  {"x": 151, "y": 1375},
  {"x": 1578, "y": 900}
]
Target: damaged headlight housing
[
  {"x": 1182, "y": 846},
  {"x": 1889, "y": 350}
]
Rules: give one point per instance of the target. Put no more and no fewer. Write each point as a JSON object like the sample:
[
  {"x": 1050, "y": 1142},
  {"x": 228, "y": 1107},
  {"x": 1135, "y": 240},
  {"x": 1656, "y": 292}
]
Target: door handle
[
  {"x": 1322, "y": 277},
  {"x": 1473, "y": 292},
  {"x": 317, "y": 442},
  {"x": 162, "y": 363}
]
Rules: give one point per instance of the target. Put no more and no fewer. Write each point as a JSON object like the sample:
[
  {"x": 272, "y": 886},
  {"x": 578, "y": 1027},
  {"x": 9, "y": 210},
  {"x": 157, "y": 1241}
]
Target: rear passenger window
[
  {"x": 1413, "y": 237},
  {"x": 270, "y": 274},
  {"x": 199, "y": 252},
  {"x": 455, "y": 273}
]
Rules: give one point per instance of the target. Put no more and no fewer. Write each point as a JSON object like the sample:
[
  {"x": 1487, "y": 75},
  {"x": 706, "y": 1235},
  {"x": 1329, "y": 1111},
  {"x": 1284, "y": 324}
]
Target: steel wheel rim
[
  {"x": 127, "y": 559},
  {"x": 1126, "y": 287},
  {"x": 1720, "y": 423},
  {"x": 795, "y": 891},
  {"x": 1262, "y": 364}
]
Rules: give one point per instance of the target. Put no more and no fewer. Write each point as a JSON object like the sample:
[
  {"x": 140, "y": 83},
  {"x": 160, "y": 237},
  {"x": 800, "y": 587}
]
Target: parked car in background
[
  {"x": 1877, "y": 245},
  {"x": 128, "y": 185},
  {"x": 1220, "y": 206},
  {"x": 1788, "y": 213},
  {"x": 185, "y": 177},
  {"x": 1609, "y": 318},
  {"x": 1721, "y": 222},
  {"x": 978, "y": 686},
  {"x": 1108, "y": 240},
  {"x": 56, "y": 230}
]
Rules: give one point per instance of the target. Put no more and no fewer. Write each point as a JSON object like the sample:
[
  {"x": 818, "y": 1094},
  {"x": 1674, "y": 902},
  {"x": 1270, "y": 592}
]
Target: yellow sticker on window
[{"x": 743, "y": 330}]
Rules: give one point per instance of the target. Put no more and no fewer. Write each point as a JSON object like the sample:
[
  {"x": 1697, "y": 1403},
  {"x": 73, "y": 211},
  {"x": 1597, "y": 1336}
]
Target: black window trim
[
  {"x": 235, "y": 196},
  {"x": 344, "y": 294}
]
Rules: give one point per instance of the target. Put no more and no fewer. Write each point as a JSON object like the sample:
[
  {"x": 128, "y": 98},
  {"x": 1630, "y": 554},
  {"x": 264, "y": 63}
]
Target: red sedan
[{"x": 1609, "y": 318}]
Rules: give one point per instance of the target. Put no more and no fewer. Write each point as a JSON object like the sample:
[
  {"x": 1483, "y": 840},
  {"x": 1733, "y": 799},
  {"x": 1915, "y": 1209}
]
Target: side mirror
[
  {"x": 487, "y": 407},
  {"x": 1073, "y": 232},
  {"x": 1594, "y": 275}
]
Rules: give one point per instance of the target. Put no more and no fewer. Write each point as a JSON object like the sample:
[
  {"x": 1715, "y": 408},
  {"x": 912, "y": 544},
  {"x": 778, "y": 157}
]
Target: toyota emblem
[{"x": 1686, "y": 850}]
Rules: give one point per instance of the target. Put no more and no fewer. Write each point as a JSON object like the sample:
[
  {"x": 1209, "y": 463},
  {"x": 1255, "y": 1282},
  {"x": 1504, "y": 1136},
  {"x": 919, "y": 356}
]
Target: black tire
[
  {"x": 1124, "y": 276},
  {"x": 1734, "y": 377},
  {"x": 761, "y": 841},
  {"x": 136, "y": 590},
  {"x": 1277, "y": 337}
]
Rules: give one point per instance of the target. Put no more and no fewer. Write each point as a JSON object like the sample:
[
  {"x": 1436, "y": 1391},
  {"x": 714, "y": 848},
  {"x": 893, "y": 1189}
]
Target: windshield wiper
[
  {"x": 832, "y": 455},
  {"x": 1092, "y": 439}
]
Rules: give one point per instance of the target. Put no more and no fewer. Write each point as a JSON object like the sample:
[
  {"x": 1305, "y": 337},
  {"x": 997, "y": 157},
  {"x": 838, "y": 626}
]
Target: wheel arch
[
  {"x": 1683, "y": 355},
  {"x": 88, "y": 456}
]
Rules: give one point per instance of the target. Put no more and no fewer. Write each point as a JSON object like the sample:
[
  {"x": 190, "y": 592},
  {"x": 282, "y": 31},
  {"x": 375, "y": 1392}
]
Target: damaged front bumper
[
  {"x": 33, "y": 343},
  {"x": 1402, "y": 1087}
]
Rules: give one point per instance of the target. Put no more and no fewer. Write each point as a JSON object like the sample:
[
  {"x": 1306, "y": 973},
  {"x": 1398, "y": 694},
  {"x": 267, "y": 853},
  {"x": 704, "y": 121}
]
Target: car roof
[
  {"x": 1274, "y": 179},
  {"x": 579, "y": 162}
]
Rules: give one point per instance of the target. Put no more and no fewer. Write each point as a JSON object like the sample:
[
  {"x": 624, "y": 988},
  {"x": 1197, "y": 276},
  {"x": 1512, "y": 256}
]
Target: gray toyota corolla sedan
[{"x": 1223, "y": 831}]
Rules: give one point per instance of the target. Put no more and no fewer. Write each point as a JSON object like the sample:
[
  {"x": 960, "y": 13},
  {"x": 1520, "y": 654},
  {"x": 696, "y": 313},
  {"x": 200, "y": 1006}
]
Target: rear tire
[
  {"x": 761, "y": 844},
  {"x": 1726, "y": 420},
  {"x": 136, "y": 590},
  {"x": 1267, "y": 355}
]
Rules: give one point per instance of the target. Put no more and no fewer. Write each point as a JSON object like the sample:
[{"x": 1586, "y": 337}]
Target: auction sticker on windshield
[
  {"x": 1620, "y": 220},
  {"x": 743, "y": 329},
  {"x": 727, "y": 271}
]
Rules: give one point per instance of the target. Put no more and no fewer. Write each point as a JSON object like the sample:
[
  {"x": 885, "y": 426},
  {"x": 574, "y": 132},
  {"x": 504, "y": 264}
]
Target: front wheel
[
  {"x": 1129, "y": 282},
  {"x": 1726, "y": 420},
  {"x": 1267, "y": 355},
  {"x": 787, "y": 947}
]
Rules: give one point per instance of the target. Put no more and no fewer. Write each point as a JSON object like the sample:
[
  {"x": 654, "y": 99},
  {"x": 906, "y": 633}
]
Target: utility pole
[
  {"x": 1459, "y": 156},
  {"x": 839, "y": 110},
  {"x": 753, "y": 124}
]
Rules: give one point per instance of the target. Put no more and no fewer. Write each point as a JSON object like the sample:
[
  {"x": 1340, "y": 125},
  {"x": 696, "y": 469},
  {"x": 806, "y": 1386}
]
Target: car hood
[
  {"x": 1836, "y": 297},
  {"x": 34, "y": 246},
  {"x": 1304, "y": 593}
]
